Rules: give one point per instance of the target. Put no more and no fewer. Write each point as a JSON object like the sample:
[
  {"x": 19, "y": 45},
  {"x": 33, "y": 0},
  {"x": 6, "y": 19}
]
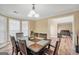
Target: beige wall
[
  {"x": 76, "y": 25},
  {"x": 32, "y": 25},
  {"x": 38, "y": 26},
  {"x": 76, "y": 21},
  {"x": 41, "y": 26}
]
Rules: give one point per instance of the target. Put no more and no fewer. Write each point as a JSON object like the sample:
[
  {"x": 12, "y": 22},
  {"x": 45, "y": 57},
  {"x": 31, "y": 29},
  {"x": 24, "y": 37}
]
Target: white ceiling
[{"x": 45, "y": 10}]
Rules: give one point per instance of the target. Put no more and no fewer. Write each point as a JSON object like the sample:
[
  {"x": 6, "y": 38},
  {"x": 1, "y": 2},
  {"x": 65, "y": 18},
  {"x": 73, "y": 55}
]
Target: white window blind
[
  {"x": 25, "y": 28},
  {"x": 3, "y": 29},
  {"x": 14, "y": 27}
]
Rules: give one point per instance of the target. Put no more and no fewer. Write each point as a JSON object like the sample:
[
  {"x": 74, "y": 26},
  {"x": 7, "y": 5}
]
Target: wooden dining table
[{"x": 37, "y": 48}]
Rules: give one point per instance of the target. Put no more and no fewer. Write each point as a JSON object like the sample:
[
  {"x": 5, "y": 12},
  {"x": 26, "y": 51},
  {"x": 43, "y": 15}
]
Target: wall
[
  {"x": 38, "y": 26},
  {"x": 64, "y": 26},
  {"x": 41, "y": 26},
  {"x": 76, "y": 21},
  {"x": 76, "y": 25},
  {"x": 52, "y": 28},
  {"x": 32, "y": 25}
]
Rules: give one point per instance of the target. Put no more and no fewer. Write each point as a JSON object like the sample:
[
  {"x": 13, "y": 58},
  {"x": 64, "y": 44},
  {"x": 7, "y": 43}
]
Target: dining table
[{"x": 36, "y": 46}]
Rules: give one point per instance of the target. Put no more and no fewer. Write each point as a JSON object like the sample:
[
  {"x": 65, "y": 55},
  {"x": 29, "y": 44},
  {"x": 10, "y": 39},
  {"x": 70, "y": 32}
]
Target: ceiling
[
  {"x": 44, "y": 10},
  {"x": 67, "y": 19}
]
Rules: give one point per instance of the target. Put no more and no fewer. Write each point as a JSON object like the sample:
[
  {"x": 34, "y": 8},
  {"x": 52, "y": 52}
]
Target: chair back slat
[
  {"x": 19, "y": 36},
  {"x": 14, "y": 45},
  {"x": 13, "y": 41},
  {"x": 23, "y": 47},
  {"x": 56, "y": 48}
]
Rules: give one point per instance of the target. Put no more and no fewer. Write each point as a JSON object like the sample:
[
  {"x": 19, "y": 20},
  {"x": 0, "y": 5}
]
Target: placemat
[{"x": 36, "y": 46}]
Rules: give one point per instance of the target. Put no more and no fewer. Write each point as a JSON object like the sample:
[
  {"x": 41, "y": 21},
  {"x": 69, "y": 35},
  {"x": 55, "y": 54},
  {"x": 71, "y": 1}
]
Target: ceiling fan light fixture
[
  {"x": 36, "y": 15},
  {"x": 32, "y": 13},
  {"x": 29, "y": 15}
]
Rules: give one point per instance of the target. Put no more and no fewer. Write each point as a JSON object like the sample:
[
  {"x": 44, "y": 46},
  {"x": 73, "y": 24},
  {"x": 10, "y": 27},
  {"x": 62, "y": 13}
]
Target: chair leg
[
  {"x": 12, "y": 51},
  {"x": 20, "y": 53},
  {"x": 16, "y": 52},
  {"x": 49, "y": 46}
]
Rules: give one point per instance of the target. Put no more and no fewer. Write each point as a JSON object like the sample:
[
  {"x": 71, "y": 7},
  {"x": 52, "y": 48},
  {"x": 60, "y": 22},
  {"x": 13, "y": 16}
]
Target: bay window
[{"x": 3, "y": 29}]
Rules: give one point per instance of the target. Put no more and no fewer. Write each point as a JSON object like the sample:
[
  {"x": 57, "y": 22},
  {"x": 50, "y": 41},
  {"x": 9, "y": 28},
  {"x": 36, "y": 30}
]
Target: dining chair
[
  {"x": 15, "y": 48},
  {"x": 22, "y": 47},
  {"x": 19, "y": 36},
  {"x": 51, "y": 52}
]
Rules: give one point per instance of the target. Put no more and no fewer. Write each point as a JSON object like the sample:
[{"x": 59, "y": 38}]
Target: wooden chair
[
  {"x": 15, "y": 48},
  {"x": 22, "y": 47},
  {"x": 48, "y": 51},
  {"x": 19, "y": 36}
]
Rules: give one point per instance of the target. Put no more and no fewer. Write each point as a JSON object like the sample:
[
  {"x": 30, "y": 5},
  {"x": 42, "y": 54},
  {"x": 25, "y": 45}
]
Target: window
[
  {"x": 3, "y": 29},
  {"x": 25, "y": 28},
  {"x": 14, "y": 27}
]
